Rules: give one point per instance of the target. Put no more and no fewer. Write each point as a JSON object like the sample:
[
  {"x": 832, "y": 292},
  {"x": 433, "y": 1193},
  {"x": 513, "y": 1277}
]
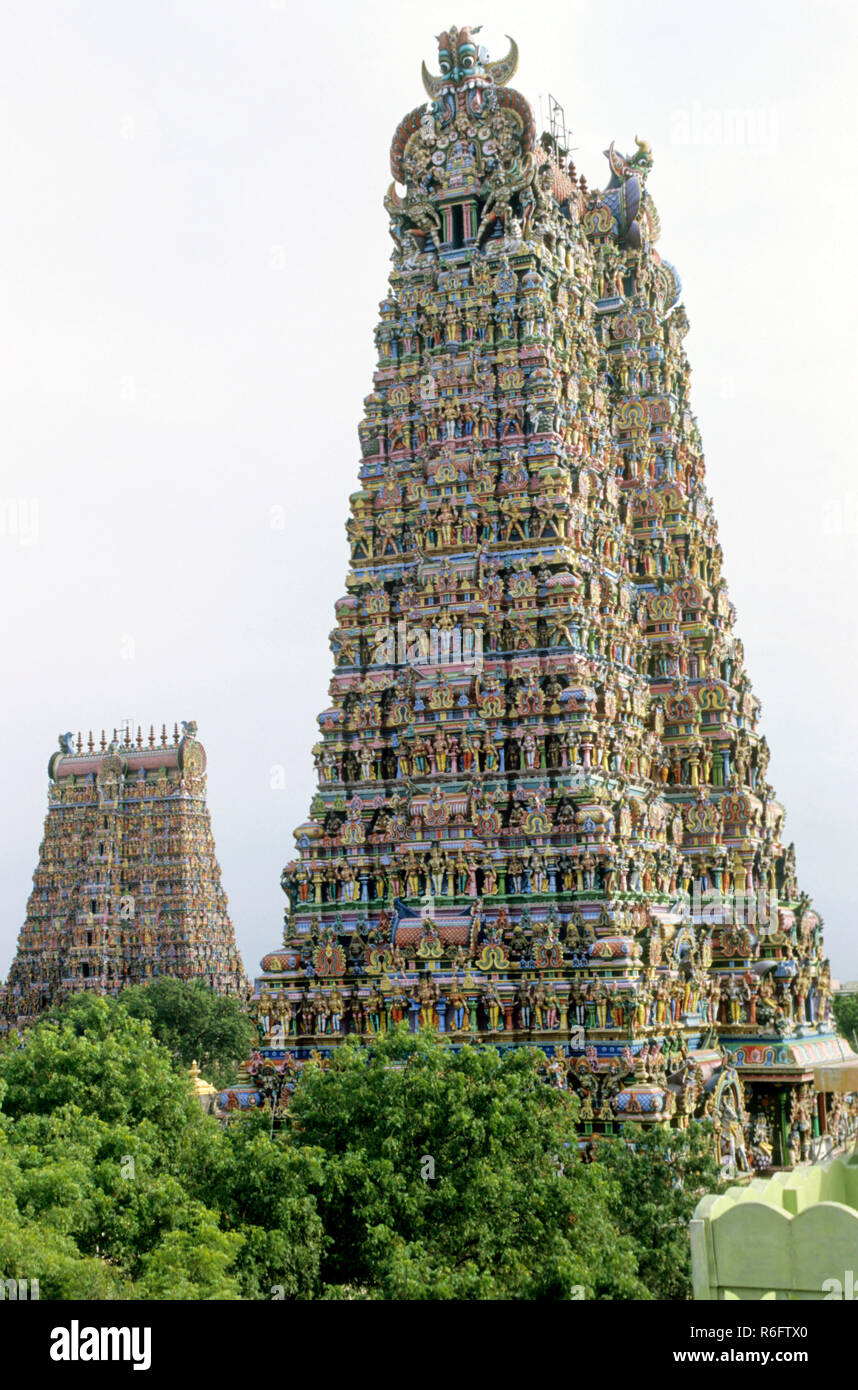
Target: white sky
[{"x": 192, "y": 251}]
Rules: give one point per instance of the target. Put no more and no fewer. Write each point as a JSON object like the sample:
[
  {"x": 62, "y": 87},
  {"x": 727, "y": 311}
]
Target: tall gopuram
[
  {"x": 128, "y": 885},
  {"x": 543, "y": 815}
]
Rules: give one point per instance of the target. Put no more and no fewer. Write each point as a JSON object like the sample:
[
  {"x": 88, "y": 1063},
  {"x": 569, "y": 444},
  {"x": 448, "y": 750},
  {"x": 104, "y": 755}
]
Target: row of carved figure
[
  {"x": 598, "y": 1005},
  {"x": 701, "y": 763},
  {"x": 600, "y": 869}
]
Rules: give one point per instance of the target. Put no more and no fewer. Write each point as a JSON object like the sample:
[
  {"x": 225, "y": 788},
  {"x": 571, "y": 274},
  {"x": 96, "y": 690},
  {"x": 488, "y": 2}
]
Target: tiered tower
[
  {"x": 543, "y": 815},
  {"x": 128, "y": 885}
]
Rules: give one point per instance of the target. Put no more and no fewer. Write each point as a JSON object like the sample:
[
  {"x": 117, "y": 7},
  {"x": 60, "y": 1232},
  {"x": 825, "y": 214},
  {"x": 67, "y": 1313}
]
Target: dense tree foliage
[
  {"x": 846, "y": 1016},
  {"x": 407, "y": 1170},
  {"x": 455, "y": 1175},
  {"x": 659, "y": 1176},
  {"x": 96, "y": 1126},
  {"x": 195, "y": 1024},
  {"x": 264, "y": 1190}
]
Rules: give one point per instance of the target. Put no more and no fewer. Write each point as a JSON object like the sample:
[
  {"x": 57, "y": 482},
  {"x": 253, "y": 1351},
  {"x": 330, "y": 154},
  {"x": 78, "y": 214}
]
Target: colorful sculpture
[
  {"x": 543, "y": 815},
  {"x": 128, "y": 886}
]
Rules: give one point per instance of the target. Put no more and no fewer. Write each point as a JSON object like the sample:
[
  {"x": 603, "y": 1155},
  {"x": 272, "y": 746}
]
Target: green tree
[
  {"x": 191, "y": 1265},
  {"x": 263, "y": 1190},
  {"x": 658, "y": 1177},
  {"x": 97, "y": 1131},
  {"x": 195, "y": 1023},
  {"x": 404, "y": 1170},
  {"x": 37, "y": 1249},
  {"x": 91, "y": 1054},
  {"x": 846, "y": 1016},
  {"x": 455, "y": 1174}
]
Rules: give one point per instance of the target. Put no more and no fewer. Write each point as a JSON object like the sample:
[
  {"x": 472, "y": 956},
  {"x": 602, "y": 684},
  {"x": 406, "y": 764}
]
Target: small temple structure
[
  {"x": 544, "y": 815},
  {"x": 128, "y": 886}
]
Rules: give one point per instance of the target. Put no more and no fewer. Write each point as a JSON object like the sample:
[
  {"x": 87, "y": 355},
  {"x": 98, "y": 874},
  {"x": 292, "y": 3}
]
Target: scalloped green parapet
[{"x": 789, "y": 1237}]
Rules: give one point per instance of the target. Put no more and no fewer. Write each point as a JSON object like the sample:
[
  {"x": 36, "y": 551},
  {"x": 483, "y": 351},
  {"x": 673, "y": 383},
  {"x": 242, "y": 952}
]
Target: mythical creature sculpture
[
  {"x": 625, "y": 195},
  {"x": 465, "y": 63},
  {"x": 470, "y": 86}
]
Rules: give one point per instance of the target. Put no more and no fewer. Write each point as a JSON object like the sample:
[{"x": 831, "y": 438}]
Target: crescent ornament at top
[
  {"x": 505, "y": 68},
  {"x": 432, "y": 84}
]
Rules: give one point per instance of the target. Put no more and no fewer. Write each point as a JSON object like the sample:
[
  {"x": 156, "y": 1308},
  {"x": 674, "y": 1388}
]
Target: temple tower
[
  {"x": 543, "y": 815},
  {"x": 128, "y": 886}
]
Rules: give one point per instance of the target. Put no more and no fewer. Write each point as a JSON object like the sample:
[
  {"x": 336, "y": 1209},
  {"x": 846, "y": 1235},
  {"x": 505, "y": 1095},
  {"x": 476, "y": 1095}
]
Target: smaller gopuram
[{"x": 128, "y": 886}]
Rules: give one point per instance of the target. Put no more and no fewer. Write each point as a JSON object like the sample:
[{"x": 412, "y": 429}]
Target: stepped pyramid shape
[
  {"x": 542, "y": 814},
  {"x": 128, "y": 886}
]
